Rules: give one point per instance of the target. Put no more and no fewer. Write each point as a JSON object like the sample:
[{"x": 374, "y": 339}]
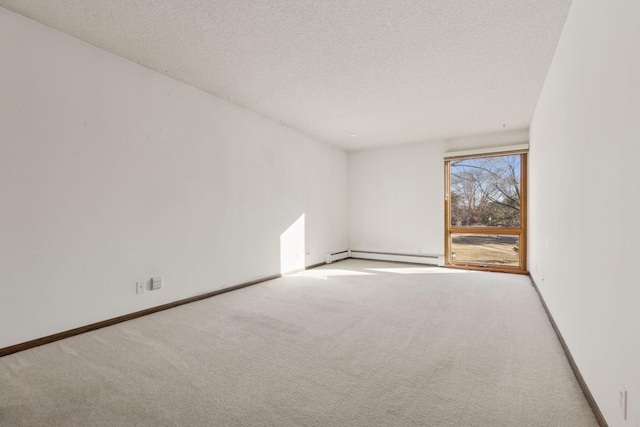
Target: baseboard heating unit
[{"x": 384, "y": 256}]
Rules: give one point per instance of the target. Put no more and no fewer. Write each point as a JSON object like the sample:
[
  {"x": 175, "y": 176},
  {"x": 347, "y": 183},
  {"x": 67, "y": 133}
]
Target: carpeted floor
[{"x": 355, "y": 343}]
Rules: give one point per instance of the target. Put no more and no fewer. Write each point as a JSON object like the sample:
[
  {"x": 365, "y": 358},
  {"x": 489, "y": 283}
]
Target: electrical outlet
[
  {"x": 307, "y": 253},
  {"x": 156, "y": 283},
  {"x": 139, "y": 287},
  {"x": 622, "y": 401}
]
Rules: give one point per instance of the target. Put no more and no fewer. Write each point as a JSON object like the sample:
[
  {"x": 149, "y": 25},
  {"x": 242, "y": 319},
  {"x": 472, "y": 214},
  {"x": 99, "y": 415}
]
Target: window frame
[{"x": 521, "y": 231}]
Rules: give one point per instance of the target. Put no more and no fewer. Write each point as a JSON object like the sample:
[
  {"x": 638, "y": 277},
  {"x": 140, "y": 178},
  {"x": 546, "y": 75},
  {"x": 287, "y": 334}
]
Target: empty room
[{"x": 319, "y": 213}]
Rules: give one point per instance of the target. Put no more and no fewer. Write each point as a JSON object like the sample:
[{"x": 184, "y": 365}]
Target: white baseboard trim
[
  {"x": 437, "y": 260},
  {"x": 337, "y": 256}
]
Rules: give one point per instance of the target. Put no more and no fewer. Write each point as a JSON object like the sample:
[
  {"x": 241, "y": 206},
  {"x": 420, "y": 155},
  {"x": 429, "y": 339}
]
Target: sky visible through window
[{"x": 485, "y": 191}]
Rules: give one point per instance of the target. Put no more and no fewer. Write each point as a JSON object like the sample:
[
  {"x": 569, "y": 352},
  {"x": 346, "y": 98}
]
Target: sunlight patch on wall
[{"x": 292, "y": 247}]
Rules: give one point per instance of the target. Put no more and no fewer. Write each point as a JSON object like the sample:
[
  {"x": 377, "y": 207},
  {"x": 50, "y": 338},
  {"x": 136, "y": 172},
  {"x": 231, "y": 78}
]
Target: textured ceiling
[{"x": 386, "y": 71}]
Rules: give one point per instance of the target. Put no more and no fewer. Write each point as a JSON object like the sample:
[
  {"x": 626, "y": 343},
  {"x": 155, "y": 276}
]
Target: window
[{"x": 485, "y": 212}]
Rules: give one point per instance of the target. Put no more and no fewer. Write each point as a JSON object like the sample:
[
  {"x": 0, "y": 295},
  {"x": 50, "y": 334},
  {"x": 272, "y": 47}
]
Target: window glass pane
[
  {"x": 485, "y": 192},
  {"x": 485, "y": 249}
]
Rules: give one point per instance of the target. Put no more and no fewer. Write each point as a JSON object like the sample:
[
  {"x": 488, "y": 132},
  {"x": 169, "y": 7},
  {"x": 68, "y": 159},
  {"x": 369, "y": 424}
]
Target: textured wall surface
[
  {"x": 396, "y": 194},
  {"x": 583, "y": 209},
  {"x": 111, "y": 173}
]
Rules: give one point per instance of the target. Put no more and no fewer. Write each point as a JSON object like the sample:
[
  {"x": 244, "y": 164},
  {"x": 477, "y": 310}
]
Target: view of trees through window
[
  {"x": 485, "y": 191},
  {"x": 485, "y": 225}
]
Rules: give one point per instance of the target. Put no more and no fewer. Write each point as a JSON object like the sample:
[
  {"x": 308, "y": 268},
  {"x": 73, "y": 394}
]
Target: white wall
[
  {"x": 396, "y": 199},
  {"x": 584, "y": 177},
  {"x": 111, "y": 173}
]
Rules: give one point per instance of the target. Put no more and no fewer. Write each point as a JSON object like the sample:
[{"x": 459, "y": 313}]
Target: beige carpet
[{"x": 355, "y": 343}]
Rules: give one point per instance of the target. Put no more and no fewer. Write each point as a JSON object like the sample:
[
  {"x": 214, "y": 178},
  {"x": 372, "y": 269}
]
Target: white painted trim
[
  {"x": 519, "y": 148},
  {"x": 329, "y": 258},
  {"x": 414, "y": 259},
  {"x": 380, "y": 256}
]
